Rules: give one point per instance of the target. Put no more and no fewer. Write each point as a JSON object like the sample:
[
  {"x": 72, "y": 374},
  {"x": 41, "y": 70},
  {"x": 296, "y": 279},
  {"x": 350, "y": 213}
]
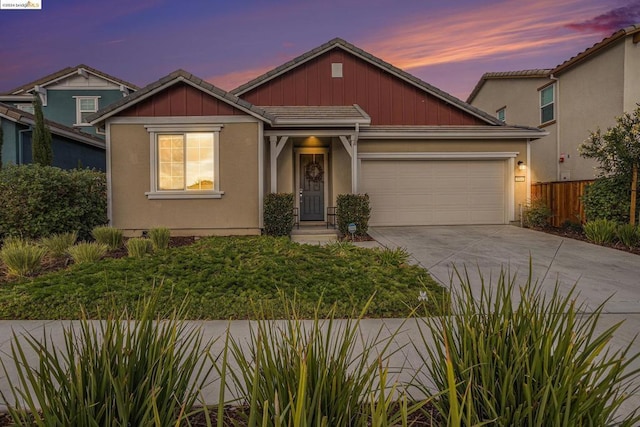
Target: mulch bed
[{"x": 578, "y": 234}]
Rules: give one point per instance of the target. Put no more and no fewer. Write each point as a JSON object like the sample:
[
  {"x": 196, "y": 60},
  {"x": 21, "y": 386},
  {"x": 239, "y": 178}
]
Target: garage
[{"x": 436, "y": 192}]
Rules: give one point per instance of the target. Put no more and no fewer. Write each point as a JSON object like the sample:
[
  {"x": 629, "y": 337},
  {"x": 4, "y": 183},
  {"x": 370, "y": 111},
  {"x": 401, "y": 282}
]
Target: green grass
[{"x": 223, "y": 277}]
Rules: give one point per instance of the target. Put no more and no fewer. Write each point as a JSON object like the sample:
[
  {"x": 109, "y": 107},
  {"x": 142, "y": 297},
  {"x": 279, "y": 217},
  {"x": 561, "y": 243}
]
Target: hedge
[
  {"x": 353, "y": 208},
  {"x": 278, "y": 214},
  {"x": 38, "y": 201}
]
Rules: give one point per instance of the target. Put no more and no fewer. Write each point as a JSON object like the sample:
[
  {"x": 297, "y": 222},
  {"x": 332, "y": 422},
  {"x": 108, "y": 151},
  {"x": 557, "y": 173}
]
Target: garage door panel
[{"x": 435, "y": 192}]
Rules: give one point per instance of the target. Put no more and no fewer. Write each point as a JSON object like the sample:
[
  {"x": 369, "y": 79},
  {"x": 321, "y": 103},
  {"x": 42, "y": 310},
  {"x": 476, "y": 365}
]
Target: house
[
  {"x": 71, "y": 148},
  {"x": 68, "y": 96},
  {"x": 582, "y": 94},
  {"x": 186, "y": 155}
]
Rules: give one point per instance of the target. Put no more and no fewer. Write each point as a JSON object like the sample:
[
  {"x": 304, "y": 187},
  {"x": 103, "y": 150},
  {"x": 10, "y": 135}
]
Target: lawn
[{"x": 225, "y": 278}]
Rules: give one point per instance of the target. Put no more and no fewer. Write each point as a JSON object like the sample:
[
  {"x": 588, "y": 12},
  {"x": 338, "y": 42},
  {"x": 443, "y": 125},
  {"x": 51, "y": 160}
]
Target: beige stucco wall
[
  {"x": 590, "y": 96},
  {"x": 631, "y": 75},
  {"x": 459, "y": 146},
  {"x": 237, "y": 212},
  {"x": 340, "y": 170}
]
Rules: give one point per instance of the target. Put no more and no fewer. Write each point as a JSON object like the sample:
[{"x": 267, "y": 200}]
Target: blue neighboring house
[{"x": 68, "y": 97}]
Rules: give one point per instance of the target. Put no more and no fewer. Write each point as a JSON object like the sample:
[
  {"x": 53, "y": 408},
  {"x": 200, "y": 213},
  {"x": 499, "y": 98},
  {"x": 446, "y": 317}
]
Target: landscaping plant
[
  {"x": 57, "y": 245},
  {"x": 22, "y": 257},
  {"x": 537, "y": 214},
  {"x": 536, "y": 362},
  {"x": 127, "y": 370},
  {"x": 160, "y": 238},
  {"x": 629, "y": 235},
  {"x": 601, "y": 231},
  {"x": 353, "y": 208},
  {"x": 278, "y": 214},
  {"x": 392, "y": 257},
  {"x": 312, "y": 373},
  {"x": 110, "y": 236},
  {"x": 87, "y": 252},
  {"x": 137, "y": 247}
]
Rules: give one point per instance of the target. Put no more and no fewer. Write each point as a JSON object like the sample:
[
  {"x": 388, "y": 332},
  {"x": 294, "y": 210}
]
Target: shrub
[
  {"x": 87, "y": 252},
  {"x": 112, "y": 237},
  {"x": 392, "y": 257},
  {"x": 160, "y": 238},
  {"x": 57, "y": 245},
  {"x": 137, "y": 247},
  {"x": 38, "y": 201},
  {"x": 537, "y": 214},
  {"x": 278, "y": 214},
  {"x": 600, "y": 231},
  {"x": 353, "y": 208},
  {"x": 629, "y": 235},
  {"x": 608, "y": 198},
  {"x": 128, "y": 370},
  {"x": 22, "y": 258},
  {"x": 536, "y": 361}
]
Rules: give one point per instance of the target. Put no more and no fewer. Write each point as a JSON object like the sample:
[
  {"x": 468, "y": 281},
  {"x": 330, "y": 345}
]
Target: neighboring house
[
  {"x": 68, "y": 97},
  {"x": 580, "y": 95},
  {"x": 71, "y": 148},
  {"x": 184, "y": 154}
]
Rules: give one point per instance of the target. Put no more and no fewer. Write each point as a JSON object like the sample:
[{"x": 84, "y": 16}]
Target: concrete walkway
[{"x": 600, "y": 273}]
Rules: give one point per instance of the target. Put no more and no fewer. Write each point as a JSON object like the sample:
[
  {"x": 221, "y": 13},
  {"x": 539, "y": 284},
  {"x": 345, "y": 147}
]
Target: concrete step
[{"x": 314, "y": 239}]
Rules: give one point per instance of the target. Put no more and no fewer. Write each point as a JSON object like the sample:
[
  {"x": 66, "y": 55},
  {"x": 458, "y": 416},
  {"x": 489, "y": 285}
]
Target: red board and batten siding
[
  {"x": 385, "y": 97},
  {"x": 181, "y": 100}
]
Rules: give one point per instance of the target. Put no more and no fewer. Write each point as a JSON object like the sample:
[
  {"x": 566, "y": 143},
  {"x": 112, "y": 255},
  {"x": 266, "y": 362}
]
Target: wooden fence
[{"x": 563, "y": 198}]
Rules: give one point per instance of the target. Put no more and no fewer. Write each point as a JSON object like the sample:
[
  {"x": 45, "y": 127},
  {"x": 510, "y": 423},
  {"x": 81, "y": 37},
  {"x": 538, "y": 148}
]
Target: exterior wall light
[{"x": 521, "y": 165}]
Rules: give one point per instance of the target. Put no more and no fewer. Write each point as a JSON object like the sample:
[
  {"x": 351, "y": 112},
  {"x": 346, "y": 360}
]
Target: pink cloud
[{"x": 236, "y": 78}]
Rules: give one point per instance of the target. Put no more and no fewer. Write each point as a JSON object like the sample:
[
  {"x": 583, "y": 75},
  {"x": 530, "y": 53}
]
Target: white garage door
[{"x": 435, "y": 192}]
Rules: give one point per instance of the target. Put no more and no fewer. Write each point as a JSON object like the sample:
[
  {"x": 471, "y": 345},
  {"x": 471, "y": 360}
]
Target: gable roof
[
  {"x": 318, "y": 115},
  {"x": 18, "y": 116},
  {"x": 66, "y": 72},
  {"x": 356, "y": 51},
  {"x": 171, "y": 79},
  {"x": 523, "y": 74},
  {"x": 604, "y": 43}
]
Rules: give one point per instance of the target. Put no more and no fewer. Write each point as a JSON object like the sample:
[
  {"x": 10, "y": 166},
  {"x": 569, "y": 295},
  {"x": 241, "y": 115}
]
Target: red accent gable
[
  {"x": 388, "y": 99},
  {"x": 181, "y": 100}
]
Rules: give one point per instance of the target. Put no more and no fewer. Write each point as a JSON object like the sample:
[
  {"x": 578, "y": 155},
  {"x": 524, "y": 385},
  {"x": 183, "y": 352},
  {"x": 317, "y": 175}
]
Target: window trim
[
  {"x": 551, "y": 86},
  {"x": 504, "y": 113},
  {"x": 79, "y": 112},
  {"x": 154, "y": 131}
]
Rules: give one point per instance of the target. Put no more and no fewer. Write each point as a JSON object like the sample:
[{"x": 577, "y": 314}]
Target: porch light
[{"x": 521, "y": 165}]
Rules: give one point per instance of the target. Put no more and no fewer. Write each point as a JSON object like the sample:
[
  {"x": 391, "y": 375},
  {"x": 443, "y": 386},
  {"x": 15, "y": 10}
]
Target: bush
[
  {"x": 537, "y": 214},
  {"x": 392, "y": 257},
  {"x": 128, "y": 370},
  {"x": 160, "y": 238},
  {"x": 600, "y": 231},
  {"x": 87, "y": 252},
  {"x": 22, "y": 258},
  {"x": 278, "y": 214},
  {"x": 38, "y": 201},
  {"x": 137, "y": 247},
  {"x": 353, "y": 208},
  {"x": 57, "y": 245},
  {"x": 608, "y": 198},
  {"x": 112, "y": 237},
  {"x": 536, "y": 361},
  {"x": 629, "y": 235}
]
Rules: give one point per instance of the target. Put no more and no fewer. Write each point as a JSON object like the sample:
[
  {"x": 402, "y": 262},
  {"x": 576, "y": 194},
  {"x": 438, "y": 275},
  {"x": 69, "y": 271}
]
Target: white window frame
[
  {"x": 552, "y": 103},
  {"x": 154, "y": 131},
  {"x": 27, "y": 108},
  {"x": 502, "y": 110},
  {"x": 79, "y": 111}
]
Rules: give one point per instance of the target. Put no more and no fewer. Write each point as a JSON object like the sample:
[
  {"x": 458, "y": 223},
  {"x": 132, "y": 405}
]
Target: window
[
  {"x": 185, "y": 162},
  {"x": 85, "y": 105},
  {"x": 26, "y": 108},
  {"x": 547, "y": 99},
  {"x": 500, "y": 114}
]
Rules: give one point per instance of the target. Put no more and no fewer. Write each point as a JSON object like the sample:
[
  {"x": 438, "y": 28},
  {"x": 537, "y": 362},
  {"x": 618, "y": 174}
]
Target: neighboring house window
[
  {"x": 185, "y": 162},
  {"x": 500, "y": 114},
  {"x": 85, "y": 105},
  {"x": 26, "y": 107},
  {"x": 547, "y": 101}
]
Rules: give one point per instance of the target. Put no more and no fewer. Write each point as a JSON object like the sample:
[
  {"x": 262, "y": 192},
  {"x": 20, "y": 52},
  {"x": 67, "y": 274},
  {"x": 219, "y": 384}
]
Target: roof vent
[{"x": 336, "y": 69}]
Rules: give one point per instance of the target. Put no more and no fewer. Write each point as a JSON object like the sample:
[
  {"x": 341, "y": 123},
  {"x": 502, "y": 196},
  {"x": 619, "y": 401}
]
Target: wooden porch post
[{"x": 276, "y": 149}]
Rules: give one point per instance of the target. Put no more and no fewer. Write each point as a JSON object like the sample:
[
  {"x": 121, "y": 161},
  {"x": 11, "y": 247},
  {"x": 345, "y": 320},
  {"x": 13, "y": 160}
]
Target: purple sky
[{"x": 228, "y": 42}]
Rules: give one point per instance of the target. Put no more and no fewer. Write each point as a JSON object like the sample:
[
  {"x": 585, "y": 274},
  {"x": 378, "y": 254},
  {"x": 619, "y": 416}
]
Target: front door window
[{"x": 312, "y": 176}]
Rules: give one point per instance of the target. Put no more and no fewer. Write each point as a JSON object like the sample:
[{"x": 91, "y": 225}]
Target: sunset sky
[{"x": 449, "y": 44}]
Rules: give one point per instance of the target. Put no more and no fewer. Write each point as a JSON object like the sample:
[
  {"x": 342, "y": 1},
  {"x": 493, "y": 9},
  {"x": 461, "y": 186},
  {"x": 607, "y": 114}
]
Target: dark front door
[{"x": 312, "y": 175}]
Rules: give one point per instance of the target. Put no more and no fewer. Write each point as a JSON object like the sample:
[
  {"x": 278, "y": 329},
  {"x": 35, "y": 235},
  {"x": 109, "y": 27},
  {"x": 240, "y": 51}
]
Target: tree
[
  {"x": 618, "y": 152},
  {"x": 41, "y": 151},
  {"x": 1, "y": 142}
]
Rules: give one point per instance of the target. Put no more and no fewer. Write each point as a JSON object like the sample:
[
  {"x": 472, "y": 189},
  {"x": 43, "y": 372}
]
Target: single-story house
[{"x": 186, "y": 155}]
